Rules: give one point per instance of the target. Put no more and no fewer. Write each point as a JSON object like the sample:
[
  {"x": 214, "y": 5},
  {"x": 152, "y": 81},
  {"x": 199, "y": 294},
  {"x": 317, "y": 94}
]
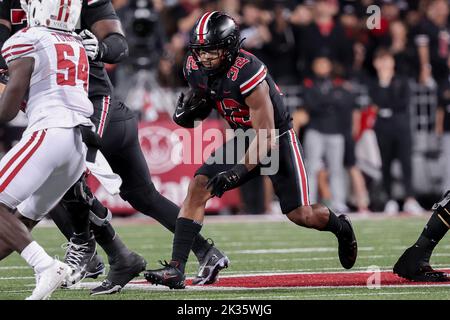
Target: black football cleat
[
  {"x": 169, "y": 276},
  {"x": 83, "y": 259},
  {"x": 210, "y": 266},
  {"x": 120, "y": 273},
  {"x": 411, "y": 266},
  {"x": 95, "y": 267},
  {"x": 348, "y": 247}
]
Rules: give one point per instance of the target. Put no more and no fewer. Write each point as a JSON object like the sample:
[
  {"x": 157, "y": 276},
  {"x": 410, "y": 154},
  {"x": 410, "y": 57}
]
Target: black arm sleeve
[
  {"x": 113, "y": 49},
  {"x": 99, "y": 10},
  {"x": 4, "y": 35}
]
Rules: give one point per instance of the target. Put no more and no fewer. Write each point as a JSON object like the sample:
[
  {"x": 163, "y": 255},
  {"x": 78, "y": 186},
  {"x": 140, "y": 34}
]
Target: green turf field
[{"x": 253, "y": 247}]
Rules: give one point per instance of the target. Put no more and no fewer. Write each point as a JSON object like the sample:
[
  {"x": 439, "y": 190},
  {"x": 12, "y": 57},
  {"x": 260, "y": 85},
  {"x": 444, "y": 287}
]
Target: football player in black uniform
[
  {"x": 239, "y": 86},
  {"x": 414, "y": 263},
  {"x": 118, "y": 128}
]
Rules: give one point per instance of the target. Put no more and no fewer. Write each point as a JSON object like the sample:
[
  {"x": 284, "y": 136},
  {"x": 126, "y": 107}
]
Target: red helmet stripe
[
  {"x": 201, "y": 29},
  {"x": 61, "y": 8},
  {"x": 68, "y": 11}
]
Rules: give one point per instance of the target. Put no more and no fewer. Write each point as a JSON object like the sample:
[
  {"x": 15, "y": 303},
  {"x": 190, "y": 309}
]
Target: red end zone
[{"x": 337, "y": 279}]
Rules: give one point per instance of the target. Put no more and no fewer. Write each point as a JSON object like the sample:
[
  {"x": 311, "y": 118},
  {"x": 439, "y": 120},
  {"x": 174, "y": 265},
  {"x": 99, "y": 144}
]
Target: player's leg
[
  {"x": 72, "y": 214},
  {"x": 14, "y": 187},
  {"x": 80, "y": 215},
  {"x": 81, "y": 249},
  {"x": 121, "y": 146},
  {"x": 188, "y": 226},
  {"x": 291, "y": 186},
  {"x": 5, "y": 249},
  {"x": 190, "y": 220},
  {"x": 137, "y": 187},
  {"x": 15, "y": 235},
  {"x": 414, "y": 264},
  {"x": 34, "y": 180},
  {"x": 125, "y": 264}
]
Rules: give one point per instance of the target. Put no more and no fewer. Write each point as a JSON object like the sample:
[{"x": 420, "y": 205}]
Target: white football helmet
[
  {"x": 24, "y": 5},
  {"x": 56, "y": 14}
]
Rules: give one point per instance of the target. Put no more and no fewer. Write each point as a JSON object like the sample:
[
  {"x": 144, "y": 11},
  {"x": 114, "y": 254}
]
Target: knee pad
[
  {"x": 79, "y": 193},
  {"x": 442, "y": 208}
]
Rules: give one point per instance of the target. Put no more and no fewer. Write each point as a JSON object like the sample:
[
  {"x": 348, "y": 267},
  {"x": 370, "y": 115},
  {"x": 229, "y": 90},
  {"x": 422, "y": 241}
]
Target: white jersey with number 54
[{"x": 59, "y": 84}]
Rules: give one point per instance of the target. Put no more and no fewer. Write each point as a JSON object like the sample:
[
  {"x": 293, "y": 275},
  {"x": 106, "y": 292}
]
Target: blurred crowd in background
[{"x": 369, "y": 95}]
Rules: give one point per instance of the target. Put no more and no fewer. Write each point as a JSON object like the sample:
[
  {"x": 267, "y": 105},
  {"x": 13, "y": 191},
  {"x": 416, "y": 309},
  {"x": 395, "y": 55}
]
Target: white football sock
[{"x": 36, "y": 257}]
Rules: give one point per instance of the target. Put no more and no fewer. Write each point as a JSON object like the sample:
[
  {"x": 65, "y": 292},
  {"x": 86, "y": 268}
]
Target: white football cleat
[
  {"x": 49, "y": 280},
  {"x": 413, "y": 207},
  {"x": 391, "y": 208}
]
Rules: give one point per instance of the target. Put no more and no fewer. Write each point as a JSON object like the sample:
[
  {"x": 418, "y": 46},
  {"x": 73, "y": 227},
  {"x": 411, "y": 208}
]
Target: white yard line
[
  {"x": 15, "y": 268},
  {"x": 294, "y": 250},
  {"x": 139, "y": 220},
  {"x": 16, "y": 278},
  {"x": 149, "y": 287}
]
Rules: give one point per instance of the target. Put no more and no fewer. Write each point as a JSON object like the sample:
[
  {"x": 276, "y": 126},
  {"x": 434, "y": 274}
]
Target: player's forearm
[
  {"x": 113, "y": 49},
  {"x": 10, "y": 103},
  {"x": 262, "y": 117},
  {"x": 259, "y": 148},
  {"x": 20, "y": 71}
]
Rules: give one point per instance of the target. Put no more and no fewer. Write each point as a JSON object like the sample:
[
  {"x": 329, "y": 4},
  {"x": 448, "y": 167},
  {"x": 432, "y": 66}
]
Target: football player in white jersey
[{"x": 49, "y": 72}]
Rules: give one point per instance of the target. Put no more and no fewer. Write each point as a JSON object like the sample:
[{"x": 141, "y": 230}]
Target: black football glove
[
  {"x": 226, "y": 180},
  {"x": 191, "y": 107}
]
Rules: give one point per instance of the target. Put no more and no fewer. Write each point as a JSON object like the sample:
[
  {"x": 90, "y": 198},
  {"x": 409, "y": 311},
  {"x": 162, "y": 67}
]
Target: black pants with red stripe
[{"x": 290, "y": 182}]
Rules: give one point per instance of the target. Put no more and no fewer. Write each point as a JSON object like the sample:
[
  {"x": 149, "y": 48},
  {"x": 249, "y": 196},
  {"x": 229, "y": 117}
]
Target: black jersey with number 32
[{"x": 230, "y": 90}]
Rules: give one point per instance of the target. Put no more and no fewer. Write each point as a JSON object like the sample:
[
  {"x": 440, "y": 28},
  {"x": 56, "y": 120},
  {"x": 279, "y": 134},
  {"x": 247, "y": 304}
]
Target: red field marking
[{"x": 338, "y": 279}]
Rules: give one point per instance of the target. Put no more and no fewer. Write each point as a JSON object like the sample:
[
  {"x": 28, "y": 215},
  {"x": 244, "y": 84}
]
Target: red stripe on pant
[
  {"x": 18, "y": 154},
  {"x": 22, "y": 163},
  {"x": 301, "y": 169},
  {"x": 103, "y": 116}
]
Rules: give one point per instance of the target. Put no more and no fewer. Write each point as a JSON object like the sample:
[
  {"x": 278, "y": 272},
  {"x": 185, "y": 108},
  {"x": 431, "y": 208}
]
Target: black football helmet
[{"x": 215, "y": 30}]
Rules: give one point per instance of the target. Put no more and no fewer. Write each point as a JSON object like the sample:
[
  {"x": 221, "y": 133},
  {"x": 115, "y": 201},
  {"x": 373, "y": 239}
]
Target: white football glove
[{"x": 90, "y": 43}]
